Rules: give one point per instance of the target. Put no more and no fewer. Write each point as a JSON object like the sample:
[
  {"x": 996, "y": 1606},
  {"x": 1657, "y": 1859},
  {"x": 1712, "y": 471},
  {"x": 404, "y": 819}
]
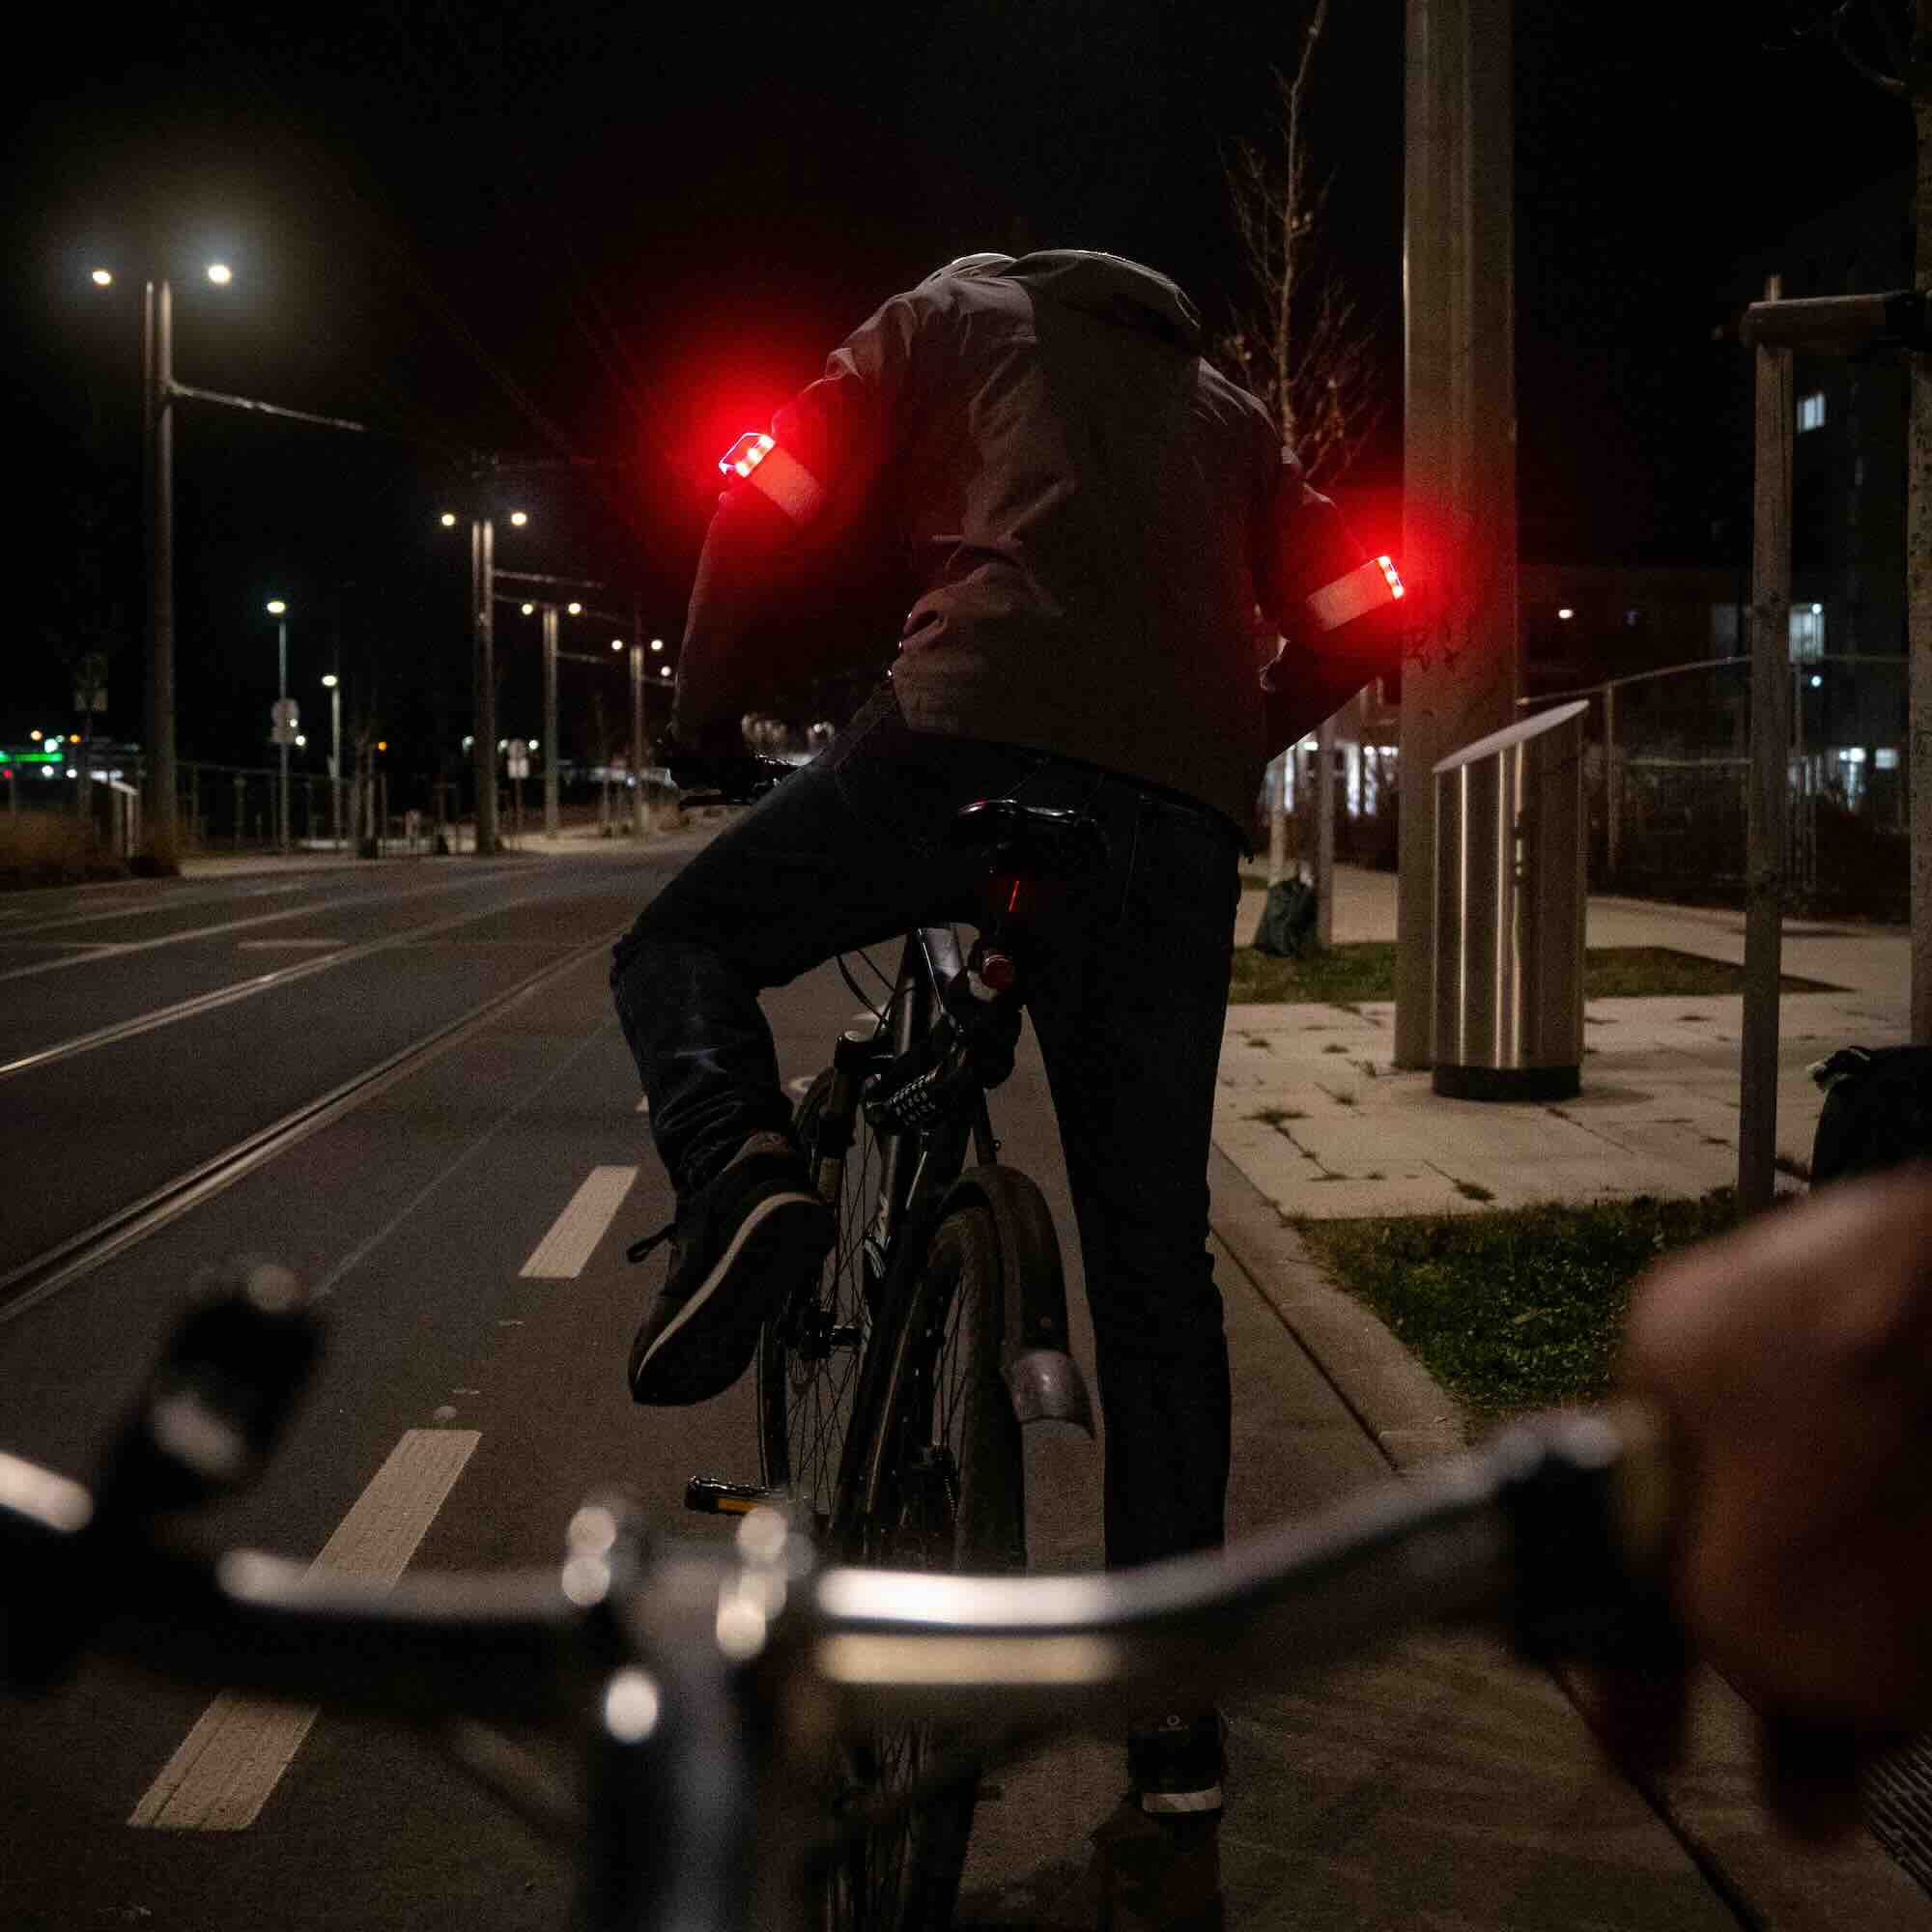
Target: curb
[
  {"x": 1399, "y": 1407},
  {"x": 1710, "y": 1803}
]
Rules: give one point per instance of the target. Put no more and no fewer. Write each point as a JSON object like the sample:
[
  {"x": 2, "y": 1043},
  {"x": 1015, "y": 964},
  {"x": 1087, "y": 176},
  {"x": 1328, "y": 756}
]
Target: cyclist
[{"x": 1094, "y": 514}]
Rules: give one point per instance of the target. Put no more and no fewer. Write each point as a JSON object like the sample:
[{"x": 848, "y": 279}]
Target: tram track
[
  {"x": 36, "y": 1281},
  {"x": 247, "y": 989}
]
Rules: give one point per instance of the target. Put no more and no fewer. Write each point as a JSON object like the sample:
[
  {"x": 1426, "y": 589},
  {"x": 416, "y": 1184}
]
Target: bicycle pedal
[{"x": 712, "y": 1495}]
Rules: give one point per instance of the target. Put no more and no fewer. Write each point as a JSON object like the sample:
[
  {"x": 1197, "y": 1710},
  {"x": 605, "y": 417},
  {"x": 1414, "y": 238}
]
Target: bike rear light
[
  {"x": 998, "y": 971},
  {"x": 759, "y": 460},
  {"x": 1370, "y": 586}
]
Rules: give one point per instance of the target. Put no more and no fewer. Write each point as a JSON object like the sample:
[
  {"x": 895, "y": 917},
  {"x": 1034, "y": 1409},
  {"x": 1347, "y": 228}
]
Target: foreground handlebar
[
  {"x": 711, "y": 1681},
  {"x": 1539, "y": 1527}
]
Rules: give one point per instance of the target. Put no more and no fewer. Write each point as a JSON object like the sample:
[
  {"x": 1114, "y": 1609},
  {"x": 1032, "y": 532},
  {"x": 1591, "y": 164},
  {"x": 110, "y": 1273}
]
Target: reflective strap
[
  {"x": 1157, "y": 1803},
  {"x": 1365, "y": 588},
  {"x": 788, "y": 483}
]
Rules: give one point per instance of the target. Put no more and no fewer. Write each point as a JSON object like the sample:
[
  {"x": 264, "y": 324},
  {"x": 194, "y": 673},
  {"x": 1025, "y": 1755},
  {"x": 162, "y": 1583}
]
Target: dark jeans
[{"x": 1128, "y": 999}]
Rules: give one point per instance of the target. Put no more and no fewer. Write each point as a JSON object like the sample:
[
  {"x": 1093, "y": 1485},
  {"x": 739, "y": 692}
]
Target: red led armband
[
  {"x": 1371, "y": 587},
  {"x": 779, "y": 474}
]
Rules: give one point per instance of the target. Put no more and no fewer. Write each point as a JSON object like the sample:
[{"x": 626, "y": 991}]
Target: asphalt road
[{"x": 473, "y": 1393}]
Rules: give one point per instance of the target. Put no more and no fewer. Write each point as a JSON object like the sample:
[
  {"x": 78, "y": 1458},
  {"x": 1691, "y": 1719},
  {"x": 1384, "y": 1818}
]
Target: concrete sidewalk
[
  {"x": 1442, "y": 1786},
  {"x": 1313, "y": 1111}
]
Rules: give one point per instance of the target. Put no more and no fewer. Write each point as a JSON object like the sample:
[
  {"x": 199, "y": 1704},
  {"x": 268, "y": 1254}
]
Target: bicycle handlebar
[
  {"x": 1555, "y": 1528},
  {"x": 729, "y": 780}
]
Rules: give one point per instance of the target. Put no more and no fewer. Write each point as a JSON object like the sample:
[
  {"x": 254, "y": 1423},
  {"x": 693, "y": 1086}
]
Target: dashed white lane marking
[
  {"x": 563, "y": 1252},
  {"x": 233, "y": 1759}
]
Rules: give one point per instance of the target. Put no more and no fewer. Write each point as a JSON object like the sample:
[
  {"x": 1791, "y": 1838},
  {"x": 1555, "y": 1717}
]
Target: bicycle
[
  {"x": 714, "y": 1688},
  {"x": 891, "y": 1391}
]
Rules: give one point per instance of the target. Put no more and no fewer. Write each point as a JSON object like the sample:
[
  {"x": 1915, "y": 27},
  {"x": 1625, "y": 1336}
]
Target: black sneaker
[
  {"x": 1176, "y": 1763},
  {"x": 739, "y": 1248}
]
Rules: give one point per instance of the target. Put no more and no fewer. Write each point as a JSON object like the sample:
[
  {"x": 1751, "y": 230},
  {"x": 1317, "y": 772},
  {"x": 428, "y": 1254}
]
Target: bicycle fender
[{"x": 1035, "y": 1363}]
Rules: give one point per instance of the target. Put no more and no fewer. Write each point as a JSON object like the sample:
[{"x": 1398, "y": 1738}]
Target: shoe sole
[{"x": 780, "y": 1230}]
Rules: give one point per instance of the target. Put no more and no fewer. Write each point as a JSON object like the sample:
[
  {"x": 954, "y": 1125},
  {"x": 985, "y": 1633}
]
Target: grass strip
[
  {"x": 1511, "y": 1309},
  {"x": 1365, "y": 970}
]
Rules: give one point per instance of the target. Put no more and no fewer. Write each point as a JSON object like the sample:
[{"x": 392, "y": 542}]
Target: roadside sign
[
  {"x": 519, "y": 761},
  {"x": 286, "y": 720}
]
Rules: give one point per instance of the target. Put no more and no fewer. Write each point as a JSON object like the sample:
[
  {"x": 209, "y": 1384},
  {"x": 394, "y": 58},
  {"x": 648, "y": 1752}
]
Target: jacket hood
[{"x": 1114, "y": 288}]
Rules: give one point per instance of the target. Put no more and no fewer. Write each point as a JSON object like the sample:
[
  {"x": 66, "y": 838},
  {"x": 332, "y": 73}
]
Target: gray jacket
[{"x": 1094, "y": 513}]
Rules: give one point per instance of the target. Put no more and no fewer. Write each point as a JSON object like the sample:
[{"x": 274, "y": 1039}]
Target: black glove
[{"x": 735, "y": 776}]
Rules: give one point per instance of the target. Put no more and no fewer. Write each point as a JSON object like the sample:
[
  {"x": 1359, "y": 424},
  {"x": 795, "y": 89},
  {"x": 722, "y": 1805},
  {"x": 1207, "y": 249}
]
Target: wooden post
[
  {"x": 1771, "y": 781},
  {"x": 1918, "y": 555}
]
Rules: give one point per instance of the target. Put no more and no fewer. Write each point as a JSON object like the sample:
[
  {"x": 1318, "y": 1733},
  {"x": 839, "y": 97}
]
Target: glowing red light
[{"x": 746, "y": 454}]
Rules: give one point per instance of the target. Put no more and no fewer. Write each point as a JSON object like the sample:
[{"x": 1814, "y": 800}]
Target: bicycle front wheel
[
  {"x": 808, "y": 1354},
  {"x": 946, "y": 1493}
]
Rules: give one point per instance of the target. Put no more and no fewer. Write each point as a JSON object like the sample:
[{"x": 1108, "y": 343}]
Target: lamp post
[
  {"x": 333, "y": 684},
  {"x": 158, "y": 391},
  {"x": 483, "y": 623},
  {"x": 284, "y": 726}
]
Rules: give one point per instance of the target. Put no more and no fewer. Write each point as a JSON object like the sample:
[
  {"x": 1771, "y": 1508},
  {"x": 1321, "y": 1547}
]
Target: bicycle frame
[{"x": 918, "y": 1168}]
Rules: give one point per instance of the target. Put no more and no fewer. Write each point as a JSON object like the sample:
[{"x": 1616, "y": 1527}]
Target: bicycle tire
[
  {"x": 947, "y": 1495},
  {"x": 809, "y": 1353}
]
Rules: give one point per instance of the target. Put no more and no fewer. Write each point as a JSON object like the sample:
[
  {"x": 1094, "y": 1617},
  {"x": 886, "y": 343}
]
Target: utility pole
[
  {"x": 552, "y": 810},
  {"x": 1460, "y": 439},
  {"x": 639, "y": 744},
  {"x": 482, "y": 600},
  {"x": 157, "y": 448}
]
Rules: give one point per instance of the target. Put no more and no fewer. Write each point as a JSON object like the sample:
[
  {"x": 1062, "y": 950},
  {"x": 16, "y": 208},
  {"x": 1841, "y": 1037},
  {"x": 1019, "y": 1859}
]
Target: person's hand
[{"x": 1794, "y": 1361}]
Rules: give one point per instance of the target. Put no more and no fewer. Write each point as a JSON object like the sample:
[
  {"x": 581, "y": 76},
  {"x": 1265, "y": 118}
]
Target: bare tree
[
  {"x": 1302, "y": 347},
  {"x": 1301, "y": 343}
]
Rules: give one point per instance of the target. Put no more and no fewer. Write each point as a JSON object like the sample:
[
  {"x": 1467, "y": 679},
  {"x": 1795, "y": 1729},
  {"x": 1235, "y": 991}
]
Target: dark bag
[
  {"x": 1287, "y": 929},
  {"x": 1877, "y": 1110}
]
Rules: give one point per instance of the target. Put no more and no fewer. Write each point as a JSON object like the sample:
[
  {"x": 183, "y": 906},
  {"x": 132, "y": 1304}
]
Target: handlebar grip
[
  {"x": 726, "y": 781},
  {"x": 1590, "y": 1500}
]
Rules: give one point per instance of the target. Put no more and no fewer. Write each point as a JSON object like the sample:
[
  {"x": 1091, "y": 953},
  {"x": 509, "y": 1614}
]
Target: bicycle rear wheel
[
  {"x": 808, "y": 1354},
  {"x": 946, "y": 1493}
]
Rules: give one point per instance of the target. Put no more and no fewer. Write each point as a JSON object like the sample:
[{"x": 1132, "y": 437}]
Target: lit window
[{"x": 1811, "y": 411}]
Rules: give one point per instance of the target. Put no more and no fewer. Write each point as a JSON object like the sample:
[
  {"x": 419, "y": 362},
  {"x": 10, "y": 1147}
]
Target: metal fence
[{"x": 1668, "y": 768}]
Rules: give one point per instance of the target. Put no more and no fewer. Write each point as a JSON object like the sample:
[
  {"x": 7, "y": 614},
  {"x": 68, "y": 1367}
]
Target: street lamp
[
  {"x": 158, "y": 391},
  {"x": 482, "y": 606},
  {"x": 284, "y": 727},
  {"x": 333, "y": 684},
  {"x": 158, "y": 451}
]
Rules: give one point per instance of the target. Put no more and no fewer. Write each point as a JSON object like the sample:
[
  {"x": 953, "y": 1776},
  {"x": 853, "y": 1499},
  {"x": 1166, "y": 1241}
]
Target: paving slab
[{"x": 1313, "y": 1110}]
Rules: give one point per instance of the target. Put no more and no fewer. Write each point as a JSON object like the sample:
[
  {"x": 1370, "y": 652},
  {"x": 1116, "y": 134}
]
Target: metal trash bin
[{"x": 1509, "y": 912}]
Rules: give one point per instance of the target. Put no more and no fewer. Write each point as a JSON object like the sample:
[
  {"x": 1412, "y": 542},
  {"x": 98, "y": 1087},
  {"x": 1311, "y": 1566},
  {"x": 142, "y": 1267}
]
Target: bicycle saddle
[{"x": 1032, "y": 842}]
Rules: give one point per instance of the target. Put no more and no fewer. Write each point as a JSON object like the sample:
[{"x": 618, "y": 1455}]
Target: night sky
[{"x": 624, "y": 235}]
